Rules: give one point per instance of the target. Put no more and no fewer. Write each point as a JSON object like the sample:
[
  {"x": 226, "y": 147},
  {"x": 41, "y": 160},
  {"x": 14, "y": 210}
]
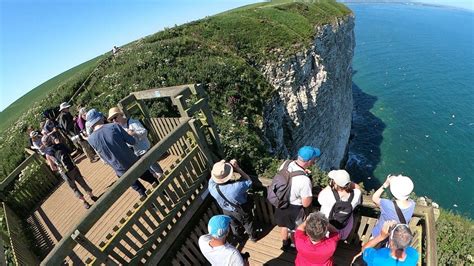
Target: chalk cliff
[{"x": 313, "y": 105}]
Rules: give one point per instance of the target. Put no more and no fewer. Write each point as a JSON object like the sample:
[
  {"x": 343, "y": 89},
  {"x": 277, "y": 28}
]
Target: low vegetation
[
  {"x": 455, "y": 239},
  {"x": 221, "y": 52}
]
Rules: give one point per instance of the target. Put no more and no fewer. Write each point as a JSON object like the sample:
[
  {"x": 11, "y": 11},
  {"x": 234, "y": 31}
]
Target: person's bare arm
[
  {"x": 382, "y": 236},
  {"x": 307, "y": 201},
  {"x": 239, "y": 170},
  {"x": 378, "y": 193}
]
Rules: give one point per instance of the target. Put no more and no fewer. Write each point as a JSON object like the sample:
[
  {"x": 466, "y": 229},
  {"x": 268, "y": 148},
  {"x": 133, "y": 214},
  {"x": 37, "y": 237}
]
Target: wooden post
[
  {"x": 201, "y": 141},
  {"x": 91, "y": 248}
]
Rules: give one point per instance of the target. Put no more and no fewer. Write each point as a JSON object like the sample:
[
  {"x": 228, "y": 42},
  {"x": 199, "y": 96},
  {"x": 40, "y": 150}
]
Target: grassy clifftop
[{"x": 221, "y": 51}]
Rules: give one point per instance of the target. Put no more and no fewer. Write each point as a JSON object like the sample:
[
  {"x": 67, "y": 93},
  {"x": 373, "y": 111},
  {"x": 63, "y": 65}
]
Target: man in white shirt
[
  {"x": 214, "y": 246},
  {"x": 301, "y": 194}
]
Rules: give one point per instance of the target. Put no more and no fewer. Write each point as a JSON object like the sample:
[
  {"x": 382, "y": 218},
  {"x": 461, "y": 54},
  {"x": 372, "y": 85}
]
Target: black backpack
[
  {"x": 341, "y": 211},
  {"x": 278, "y": 193},
  {"x": 64, "y": 160}
]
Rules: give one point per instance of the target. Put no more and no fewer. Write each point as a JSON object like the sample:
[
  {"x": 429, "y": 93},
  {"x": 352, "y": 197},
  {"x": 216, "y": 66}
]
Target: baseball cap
[
  {"x": 307, "y": 153},
  {"x": 218, "y": 226},
  {"x": 340, "y": 177}
]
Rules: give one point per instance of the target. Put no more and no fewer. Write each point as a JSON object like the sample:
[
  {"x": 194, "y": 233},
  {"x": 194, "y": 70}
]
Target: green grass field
[{"x": 13, "y": 111}]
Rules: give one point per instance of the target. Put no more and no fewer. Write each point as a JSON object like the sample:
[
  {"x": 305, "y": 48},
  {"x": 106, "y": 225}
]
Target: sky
[{"x": 40, "y": 39}]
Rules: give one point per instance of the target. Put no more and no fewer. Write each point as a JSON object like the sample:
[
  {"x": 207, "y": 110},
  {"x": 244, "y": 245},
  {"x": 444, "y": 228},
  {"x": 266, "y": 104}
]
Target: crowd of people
[
  {"x": 117, "y": 140},
  {"x": 311, "y": 223},
  {"x": 312, "y": 230}
]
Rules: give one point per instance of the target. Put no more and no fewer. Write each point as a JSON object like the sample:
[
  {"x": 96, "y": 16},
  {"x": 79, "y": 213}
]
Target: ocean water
[{"x": 413, "y": 88}]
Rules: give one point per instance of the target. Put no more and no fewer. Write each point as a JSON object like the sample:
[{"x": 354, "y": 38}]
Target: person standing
[
  {"x": 401, "y": 208},
  {"x": 135, "y": 129},
  {"x": 229, "y": 185},
  {"x": 348, "y": 194},
  {"x": 59, "y": 159},
  {"x": 398, "y": 252},
  {"x": 301, "y": 195},
  {"x": 214, "y": 246},
  {"x": 68, "y": 124},
  {"x": 110, "y": 142},
  {"x": 313, "y": 243}
]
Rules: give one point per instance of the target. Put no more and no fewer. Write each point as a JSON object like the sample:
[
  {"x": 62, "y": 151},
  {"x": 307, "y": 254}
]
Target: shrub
[{"x": 455, "y": 239}]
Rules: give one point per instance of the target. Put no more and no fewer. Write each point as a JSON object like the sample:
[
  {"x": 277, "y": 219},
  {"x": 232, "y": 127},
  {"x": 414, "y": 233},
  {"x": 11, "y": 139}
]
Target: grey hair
[
  {"x": 316, "y": 226},
  {"x": 401, "y": 237}
]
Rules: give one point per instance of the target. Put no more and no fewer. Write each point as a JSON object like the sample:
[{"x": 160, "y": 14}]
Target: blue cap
[
  {"x": 307, "y": 153},
  {"x": 218, "y": 226},
  {"x": 92, "y": 117}
]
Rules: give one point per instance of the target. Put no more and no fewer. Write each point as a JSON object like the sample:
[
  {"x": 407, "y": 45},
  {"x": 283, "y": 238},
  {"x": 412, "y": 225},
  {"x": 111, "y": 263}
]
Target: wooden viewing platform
[
  {"x": 62, "y": 211},
  {"x": 122, "y": 229}
]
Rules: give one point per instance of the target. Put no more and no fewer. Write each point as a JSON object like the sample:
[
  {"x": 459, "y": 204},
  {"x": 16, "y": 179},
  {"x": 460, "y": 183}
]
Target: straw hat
[
  {"x": 401, "y": 187},
  {"x": 222, "y": 172},
  {"x": 113, "y": 112}
]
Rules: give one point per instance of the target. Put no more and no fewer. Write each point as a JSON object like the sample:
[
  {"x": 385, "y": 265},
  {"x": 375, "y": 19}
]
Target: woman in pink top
[{"x": 313, "y": 246}]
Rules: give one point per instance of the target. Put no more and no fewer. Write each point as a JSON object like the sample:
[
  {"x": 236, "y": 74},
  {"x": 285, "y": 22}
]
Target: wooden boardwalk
[
  {"x": 62, "y": 211},
  {"x": 266, "y": 251}
]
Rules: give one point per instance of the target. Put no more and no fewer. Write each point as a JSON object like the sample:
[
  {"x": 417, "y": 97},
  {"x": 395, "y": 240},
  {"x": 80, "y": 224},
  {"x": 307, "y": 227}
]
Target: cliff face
[{"x": 314, "y": 101}]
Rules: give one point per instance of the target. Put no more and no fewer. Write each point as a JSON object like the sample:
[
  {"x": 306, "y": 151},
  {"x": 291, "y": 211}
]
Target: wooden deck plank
[
  {"x": 266, "y": 251},
  {"x": 62, "y": 210}
]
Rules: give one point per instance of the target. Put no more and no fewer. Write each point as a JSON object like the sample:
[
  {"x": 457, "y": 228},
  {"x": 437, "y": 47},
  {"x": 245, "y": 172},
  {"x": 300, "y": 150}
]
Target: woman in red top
[{"x": 313, "y": 247}]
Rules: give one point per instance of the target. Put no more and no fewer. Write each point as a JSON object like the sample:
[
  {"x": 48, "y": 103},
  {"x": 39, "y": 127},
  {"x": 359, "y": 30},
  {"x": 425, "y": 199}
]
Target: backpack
[
  {"x": 278, "y": 193},
  {"x": 341, "y": 211},
  {"x": 64, "y": 160}
]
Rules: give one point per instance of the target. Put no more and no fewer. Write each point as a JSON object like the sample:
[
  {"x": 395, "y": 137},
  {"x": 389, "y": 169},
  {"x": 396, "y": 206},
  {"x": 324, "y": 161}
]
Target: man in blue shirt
[
  {"x": 110, "y": 141},
  {"x": 399, "y": 251},
  {"x": 229, "y": 185}
]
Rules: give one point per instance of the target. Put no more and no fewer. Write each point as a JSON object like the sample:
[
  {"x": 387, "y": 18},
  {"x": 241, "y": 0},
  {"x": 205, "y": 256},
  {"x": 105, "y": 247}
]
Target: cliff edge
[{"x": 313, "y": 104}]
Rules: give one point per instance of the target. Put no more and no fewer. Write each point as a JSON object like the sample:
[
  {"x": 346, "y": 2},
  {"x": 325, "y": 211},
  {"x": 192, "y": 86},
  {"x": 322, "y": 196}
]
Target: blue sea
[{"x": 413, "y": 86}]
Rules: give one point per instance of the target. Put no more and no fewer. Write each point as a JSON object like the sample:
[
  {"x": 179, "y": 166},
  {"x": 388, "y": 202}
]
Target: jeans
[{"x": 138, "y": 186}]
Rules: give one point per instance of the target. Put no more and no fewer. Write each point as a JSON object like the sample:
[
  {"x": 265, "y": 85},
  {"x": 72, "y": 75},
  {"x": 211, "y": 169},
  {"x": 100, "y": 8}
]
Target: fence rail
[
  {"x": 22, "y": 254},
  {"x": 28, "y": 185},
  {"x": 144, "y": 227}
]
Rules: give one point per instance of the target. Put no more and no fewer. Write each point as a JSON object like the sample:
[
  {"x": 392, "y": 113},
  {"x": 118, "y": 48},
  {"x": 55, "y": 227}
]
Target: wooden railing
[
  {"x": 190, "y": 100},
  {"x": 147, "y": 227},
  {"x": 28, "y": 185},
  {"x": 22, "y": 254},
  {"x": 422, "y": 225}
]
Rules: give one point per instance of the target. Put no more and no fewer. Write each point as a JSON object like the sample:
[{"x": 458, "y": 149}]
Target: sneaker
[
  {"x": 86, "y": 205},
  {"x": 94, "y": 198},
  {"x": 94, "y": 160}
]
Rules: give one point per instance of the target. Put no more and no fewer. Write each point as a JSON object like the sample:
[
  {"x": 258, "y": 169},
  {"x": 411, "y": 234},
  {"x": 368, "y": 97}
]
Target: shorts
[{"x": 287, "y": 217}]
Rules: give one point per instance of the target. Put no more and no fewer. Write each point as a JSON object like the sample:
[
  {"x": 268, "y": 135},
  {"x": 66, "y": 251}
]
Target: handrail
[
  {"x": 14, "y": 174},
  {"x": 67, "y": 243}
]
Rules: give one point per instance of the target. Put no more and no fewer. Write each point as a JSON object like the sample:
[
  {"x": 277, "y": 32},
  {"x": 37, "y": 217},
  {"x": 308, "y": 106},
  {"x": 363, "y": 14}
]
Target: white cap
[
  {"x": 340, "y": 177},
  {"x": 401, "y": 187},
  {"x": 63, "y": 106}
]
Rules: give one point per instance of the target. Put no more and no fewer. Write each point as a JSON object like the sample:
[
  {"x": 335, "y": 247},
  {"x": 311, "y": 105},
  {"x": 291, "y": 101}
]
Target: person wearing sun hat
[
  {"x": 214, "y": 246},
  {"x": 135, "y": 129},
  {"x": 229, "y": 185},
  {"x": 400, "y": 187},
  {"x": 340, "y": 183},
  {"x": 301, "y": 195},
  {"x": 110, "y": 141}
]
